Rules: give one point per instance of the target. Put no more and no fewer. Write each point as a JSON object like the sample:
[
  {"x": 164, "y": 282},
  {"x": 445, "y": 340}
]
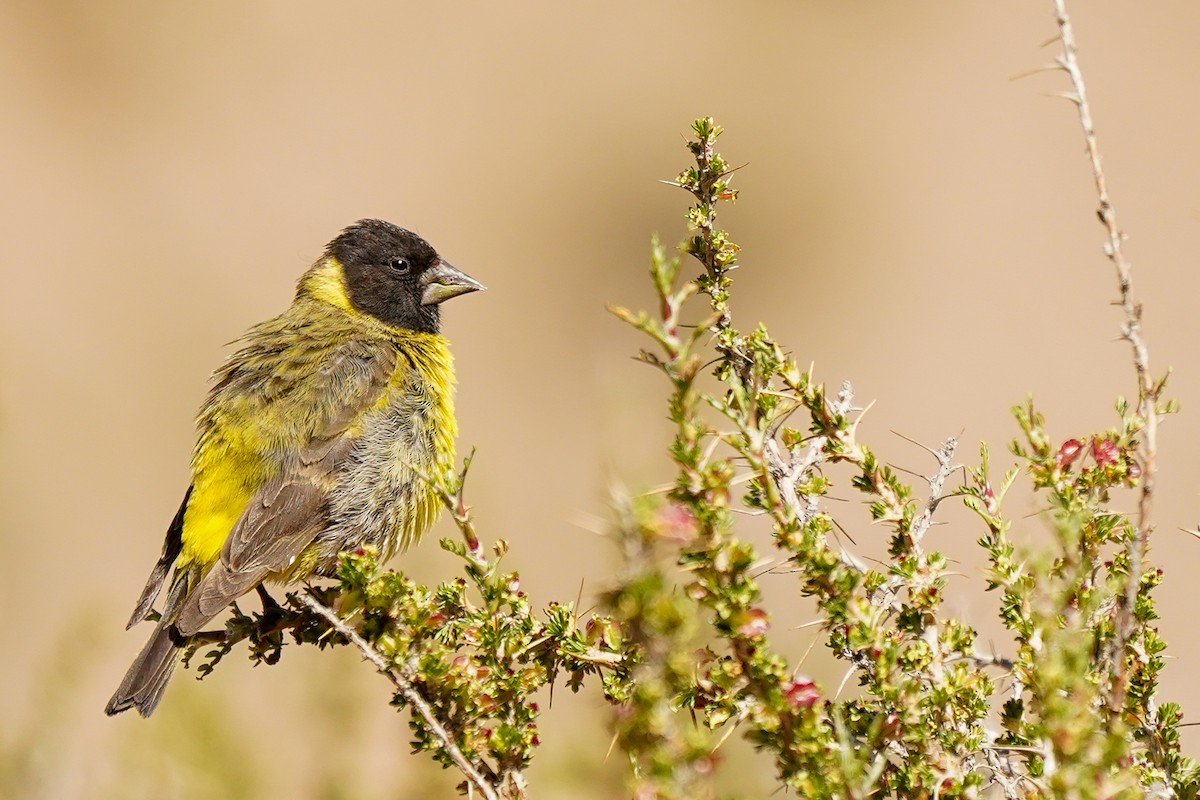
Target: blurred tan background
[{"x": 910, "y": 219}]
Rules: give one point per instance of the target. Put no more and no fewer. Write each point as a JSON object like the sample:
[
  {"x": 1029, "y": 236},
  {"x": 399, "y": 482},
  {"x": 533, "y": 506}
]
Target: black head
[{"x": 395, "y": 275}]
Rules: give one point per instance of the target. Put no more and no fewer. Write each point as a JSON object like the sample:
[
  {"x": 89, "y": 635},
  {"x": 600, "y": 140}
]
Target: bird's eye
[{"x": 400, "y": 265}]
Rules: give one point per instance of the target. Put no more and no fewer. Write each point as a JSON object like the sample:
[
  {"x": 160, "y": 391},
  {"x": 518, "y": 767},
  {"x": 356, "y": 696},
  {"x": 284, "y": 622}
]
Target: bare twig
[
  {"x": 788, "y": 473},
  {"x": 1131, "y": 330},
  {"x": 985, "y": 660},
  {"x": 945, "y": 456},
  {"x": 404, "y": 686}
]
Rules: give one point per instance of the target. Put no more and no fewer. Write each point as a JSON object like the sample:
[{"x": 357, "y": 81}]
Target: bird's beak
[{"x": 442, "y": 281}]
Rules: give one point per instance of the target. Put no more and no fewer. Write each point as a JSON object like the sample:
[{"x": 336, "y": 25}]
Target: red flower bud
[
  {"x": 1067, "y": 454},
  {"x": 989, "y": 498},
  {"x": 800, "y": 692},
  {"x": 1104, "y": 451},
  {"x": 753, "y": 622},
  {"x": 676, "y": 523}
]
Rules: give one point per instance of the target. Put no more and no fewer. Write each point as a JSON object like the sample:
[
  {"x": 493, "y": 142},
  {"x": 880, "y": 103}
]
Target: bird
[{"x": 316, "y": 437}]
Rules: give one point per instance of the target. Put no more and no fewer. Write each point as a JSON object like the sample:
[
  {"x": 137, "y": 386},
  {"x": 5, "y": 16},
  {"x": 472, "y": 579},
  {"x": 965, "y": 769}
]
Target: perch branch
[{"x": 406, "y": 689}]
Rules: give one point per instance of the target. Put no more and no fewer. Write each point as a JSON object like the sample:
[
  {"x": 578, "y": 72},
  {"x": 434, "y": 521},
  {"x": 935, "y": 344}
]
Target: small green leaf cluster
[
  {"x": 669, "y": 758},
  {"x": 1088, "y": 655}
]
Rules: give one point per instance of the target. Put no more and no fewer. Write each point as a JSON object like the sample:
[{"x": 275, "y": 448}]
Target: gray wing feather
[
  {"x": 266, "y": 539},
  {"x": 290, "y": 510}
]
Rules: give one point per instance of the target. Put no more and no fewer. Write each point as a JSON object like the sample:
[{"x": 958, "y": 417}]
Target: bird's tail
[{"x": 147, "y": 679}]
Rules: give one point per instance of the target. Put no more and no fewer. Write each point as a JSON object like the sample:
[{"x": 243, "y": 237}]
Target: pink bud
[
  {"x": 1104, "y": 451},
  {"x": 800, "y": 692},
  {"x": 676, "y": 523},
  {"x": 645, "y": 791},
  {"x": 753, "y": 622},
  {"x": 1067, "y": 454},
  {"x": 989, "y": 499}
]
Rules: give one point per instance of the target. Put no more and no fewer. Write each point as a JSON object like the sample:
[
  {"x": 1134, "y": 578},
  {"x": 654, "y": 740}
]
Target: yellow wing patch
[{"x": 225, "y": 480}]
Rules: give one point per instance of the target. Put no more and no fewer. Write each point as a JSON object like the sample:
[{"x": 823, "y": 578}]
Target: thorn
[
  {"x": 1072, "y": 96},
  {"x": 845, "y": 680},
  {"x": 1192, "y": 531},
  {"x": 1057, "y": 66},
  {"x": 732, "y": 170},
  {"x": 578, "y": 602},
  {"x": 845, "y": 532},
  {"x": 611, "y": 746},
  {"x": 592, "y": 523},
  {"x": 728, "y": 733},
  {"x": 861, "y": 414},
  {"x": 811, "y": 644},
  {"x": 924, "y": 447},
  {"x": 470, "y": 459},
  {"x": 802, "y": 627},
  {"x": 908, "y": 471}
]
